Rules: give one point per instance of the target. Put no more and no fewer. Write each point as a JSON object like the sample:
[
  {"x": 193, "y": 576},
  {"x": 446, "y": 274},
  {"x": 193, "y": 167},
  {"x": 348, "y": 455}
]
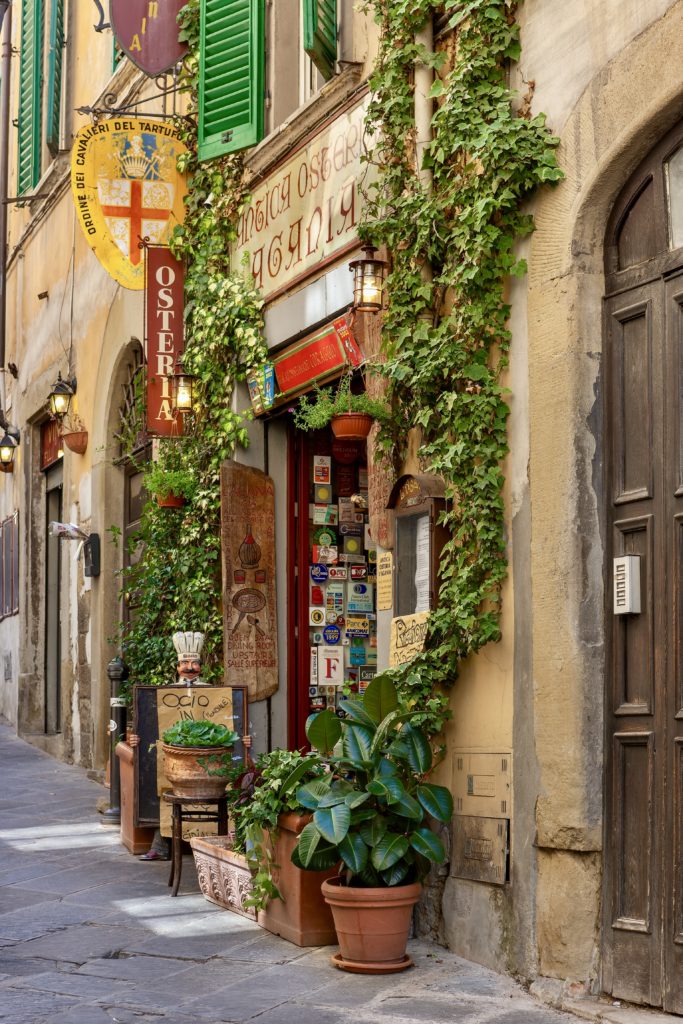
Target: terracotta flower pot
[
  {"x": 187, "y": 776},
  {"x": 76, "y": 441},
  {"x": 354, "y": 426},
  {"x": 170, "y": 501},
  {"x": 372, "y": 926},
  {"x": 302, "y": 916}
]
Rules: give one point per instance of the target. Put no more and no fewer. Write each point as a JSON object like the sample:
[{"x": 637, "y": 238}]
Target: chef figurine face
[{"x": 189, "y": 668}]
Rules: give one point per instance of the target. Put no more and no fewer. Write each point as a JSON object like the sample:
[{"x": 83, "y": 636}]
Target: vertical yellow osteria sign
[{"x": 127, "y": 190}]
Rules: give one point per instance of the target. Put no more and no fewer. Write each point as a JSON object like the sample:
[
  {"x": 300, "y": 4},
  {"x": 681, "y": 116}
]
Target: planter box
[
  {"x": 135, "y": 839},
  {"x": 302, "y": 916},
  {"x": 224, "y": 877}
]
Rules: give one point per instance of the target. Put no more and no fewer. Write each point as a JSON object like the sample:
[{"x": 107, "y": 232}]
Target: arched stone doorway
[{"x": 643, "y": 348}]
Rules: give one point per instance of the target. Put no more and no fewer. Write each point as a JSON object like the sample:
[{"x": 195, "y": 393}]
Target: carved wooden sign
[{"x": 249, "y": 599}]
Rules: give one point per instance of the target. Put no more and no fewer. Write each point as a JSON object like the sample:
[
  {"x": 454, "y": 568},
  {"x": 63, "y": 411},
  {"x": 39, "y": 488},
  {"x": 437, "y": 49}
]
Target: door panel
[{"x": 633, "y": 911}]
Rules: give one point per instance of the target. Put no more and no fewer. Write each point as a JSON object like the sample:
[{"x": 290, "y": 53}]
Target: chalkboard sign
[{"x": 190, "y": 702}]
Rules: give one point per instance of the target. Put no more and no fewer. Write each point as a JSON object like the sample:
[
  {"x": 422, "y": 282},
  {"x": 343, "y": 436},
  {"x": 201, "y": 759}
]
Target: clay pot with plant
[
  {"x": 172, "y": 482},
  {"x": 74, "y": 434},
  {"x": 371, "y": 812},
  {"x": 198, "y": 758},
  {"x": 350, "y": 415}
]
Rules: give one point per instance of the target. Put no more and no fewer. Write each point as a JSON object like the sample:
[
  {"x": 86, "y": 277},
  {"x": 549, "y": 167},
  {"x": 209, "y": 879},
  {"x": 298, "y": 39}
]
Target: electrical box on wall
[
  {"x": 482, "y": 784},
  {"x": 480, "y": 849}
]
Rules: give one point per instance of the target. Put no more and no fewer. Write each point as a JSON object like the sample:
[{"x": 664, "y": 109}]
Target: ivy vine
[{"x": 445, "y": 334}]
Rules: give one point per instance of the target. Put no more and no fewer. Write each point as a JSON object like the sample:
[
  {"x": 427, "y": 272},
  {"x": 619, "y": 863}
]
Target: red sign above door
[
  {"x": 147, "y": 32},
  {"x": 165, "y": 339},
  {"x": 317, "y": 356}
]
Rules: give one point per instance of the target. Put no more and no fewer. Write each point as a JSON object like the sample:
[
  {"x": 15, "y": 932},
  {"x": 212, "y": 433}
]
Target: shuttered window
[
  {"x": 232, "y": 76},
  {"x": 54, "y": 77},
  {"x": 30, "y": 79},
  {"x": 320, "y": 34},
  {"x": 9, "y": 566}
]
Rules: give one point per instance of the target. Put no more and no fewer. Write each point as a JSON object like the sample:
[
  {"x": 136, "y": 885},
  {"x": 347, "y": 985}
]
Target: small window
[{"x": 674, "y": 197}]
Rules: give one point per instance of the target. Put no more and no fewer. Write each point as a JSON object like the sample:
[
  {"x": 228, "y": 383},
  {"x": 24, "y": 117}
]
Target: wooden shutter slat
[
  {"x": 54, "y": 87},
  {"x": 30, "y": 114},
  {"x": 232, "y": 76},
  {"x": 320, "y": 34}
]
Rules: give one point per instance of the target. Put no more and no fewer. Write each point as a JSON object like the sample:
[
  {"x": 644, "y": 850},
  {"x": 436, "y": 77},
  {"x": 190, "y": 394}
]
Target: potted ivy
[
  {"x": 350, "y": 415},
  {"x": 370, "y": 815},
  {"x": 172, "y": 486},
  {"x": 196, "y": 755}
]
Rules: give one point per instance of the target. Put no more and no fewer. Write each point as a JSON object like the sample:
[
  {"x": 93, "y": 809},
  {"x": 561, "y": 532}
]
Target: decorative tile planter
[{"x": 224, "y": 877}]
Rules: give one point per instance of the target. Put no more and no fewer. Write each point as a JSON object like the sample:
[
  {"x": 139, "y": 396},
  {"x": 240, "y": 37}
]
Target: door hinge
[
  {"x": 296, "y": 570},
  {"x": 296, "y": 509},
  {"x": 296, "y": 632}
]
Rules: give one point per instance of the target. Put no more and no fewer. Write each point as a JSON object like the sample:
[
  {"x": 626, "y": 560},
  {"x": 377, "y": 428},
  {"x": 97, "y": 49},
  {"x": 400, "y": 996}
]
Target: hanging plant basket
[
  {"x": 76, "y": 441},
  {"x": 170, "y": 500},
  {"x": 354, "y": 426}
]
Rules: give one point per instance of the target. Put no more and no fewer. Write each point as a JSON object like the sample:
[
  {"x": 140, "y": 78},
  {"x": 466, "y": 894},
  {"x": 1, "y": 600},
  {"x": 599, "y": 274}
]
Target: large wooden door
[{"x": 643, "y": 447}]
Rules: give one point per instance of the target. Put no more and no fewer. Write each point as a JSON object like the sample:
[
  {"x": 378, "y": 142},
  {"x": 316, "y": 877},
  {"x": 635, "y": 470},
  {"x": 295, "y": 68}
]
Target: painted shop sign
[
  {"x": 165, "y": 339},
  {"x": 126, "y": 188},
  {"x": 308, "y": 211},
  {"x": 147, "y": 32},
  {"x": 249, "y": 605},
  {"x": 408, "y": 635}
]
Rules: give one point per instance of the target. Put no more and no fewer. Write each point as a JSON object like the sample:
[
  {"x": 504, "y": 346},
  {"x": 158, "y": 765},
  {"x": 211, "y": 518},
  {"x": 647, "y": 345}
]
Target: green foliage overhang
[{"x": 445, "y": 339}]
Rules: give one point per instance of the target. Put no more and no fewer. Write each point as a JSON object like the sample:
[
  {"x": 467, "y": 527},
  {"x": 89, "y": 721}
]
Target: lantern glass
[
  {"x": 7, "y": 449},
  {"x": 60, "y": 397},
  {"x": 368, "y": 282},
  {"x": 184, "y": 398}
]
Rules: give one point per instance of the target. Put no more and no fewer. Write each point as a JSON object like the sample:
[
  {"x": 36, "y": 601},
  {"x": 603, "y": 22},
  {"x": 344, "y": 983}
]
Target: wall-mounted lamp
[
  {"x": 61, "y": 393},
  {"x": 8, "y": 446},
  {"x": 183, "y": 387},
  {"x": 368, "y": 281}
]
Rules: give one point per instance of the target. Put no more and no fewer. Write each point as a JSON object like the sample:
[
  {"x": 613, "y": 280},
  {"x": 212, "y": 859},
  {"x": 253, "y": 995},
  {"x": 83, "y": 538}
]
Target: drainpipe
[{"x": 6, "y": 80}]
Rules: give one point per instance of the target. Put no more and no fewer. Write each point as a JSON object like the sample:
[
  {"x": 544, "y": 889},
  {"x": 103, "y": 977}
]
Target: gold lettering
[
  {"x": 135, "y": 45},
  {"x": 153, "y": 9},
  {"x": 165, "y": 411}
]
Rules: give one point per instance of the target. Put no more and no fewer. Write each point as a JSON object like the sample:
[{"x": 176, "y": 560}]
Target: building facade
[{"x": 564, "y": 753}]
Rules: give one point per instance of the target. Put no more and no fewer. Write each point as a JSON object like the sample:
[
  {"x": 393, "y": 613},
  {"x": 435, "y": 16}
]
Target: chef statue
[{"x": 189, "y": 646}]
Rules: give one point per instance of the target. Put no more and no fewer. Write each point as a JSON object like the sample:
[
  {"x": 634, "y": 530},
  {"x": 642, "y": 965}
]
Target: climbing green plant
[
  {"x": 175, "y": 583},
  {"x": 445, "y": 332}
]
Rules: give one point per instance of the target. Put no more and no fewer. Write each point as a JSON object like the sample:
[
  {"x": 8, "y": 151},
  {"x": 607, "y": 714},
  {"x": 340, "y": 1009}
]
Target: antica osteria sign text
[{"x": 307, "y": 211}]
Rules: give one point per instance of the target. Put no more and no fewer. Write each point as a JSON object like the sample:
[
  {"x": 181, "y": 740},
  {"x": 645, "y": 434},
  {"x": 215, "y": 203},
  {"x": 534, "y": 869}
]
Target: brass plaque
[{"x": 480, "y": 849}]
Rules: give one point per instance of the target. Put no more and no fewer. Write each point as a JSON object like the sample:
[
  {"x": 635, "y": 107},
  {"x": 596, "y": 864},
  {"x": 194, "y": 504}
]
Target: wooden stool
[{"x": 182, "y": 812}]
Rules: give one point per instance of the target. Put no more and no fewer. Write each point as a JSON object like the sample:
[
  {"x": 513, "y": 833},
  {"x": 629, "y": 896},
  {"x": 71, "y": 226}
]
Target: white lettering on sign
[{"x": 309, "y": 210}]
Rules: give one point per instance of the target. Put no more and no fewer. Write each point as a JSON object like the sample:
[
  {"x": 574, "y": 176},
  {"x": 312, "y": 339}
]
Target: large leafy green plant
[
  {"x": 189, "y": 733},
  {"x": 371, "y": 808}
]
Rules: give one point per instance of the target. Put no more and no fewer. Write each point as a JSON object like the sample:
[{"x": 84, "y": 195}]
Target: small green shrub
[{"x": 199, "y": 734}]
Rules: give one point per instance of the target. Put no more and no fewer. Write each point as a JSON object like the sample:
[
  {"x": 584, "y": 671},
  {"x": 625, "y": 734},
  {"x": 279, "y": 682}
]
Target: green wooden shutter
[
  {"x": 30, "y": 77},
  {"x": 54, "y": 78},
  {"x": 231, "y": 76},
  {"x": 320, "y": 34}
]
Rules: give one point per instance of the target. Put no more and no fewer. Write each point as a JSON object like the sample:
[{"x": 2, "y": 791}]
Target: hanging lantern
[
  {"x": 61, "y": 393},
  {"x": 8, "y": 447},
  {"x": 368, "y": 281},
  {"x": 183, "y": 387}
]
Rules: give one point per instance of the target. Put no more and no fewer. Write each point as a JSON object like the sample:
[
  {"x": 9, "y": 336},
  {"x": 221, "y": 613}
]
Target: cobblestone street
[{"x": 90, "y": 935}]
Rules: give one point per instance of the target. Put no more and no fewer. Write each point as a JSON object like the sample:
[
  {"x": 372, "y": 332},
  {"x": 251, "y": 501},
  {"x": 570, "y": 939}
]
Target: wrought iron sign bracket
[{"x": 102, "y": 25}]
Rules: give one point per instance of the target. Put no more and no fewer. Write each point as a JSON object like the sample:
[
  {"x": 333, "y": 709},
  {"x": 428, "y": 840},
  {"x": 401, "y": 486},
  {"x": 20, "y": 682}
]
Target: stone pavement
[{"x": 90, "y": 935}]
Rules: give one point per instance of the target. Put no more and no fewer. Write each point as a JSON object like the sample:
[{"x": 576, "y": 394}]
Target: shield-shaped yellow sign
[{"x": 126, "y": 188}]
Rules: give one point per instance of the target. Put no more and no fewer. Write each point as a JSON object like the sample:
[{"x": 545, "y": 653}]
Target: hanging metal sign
[
  {"x": 165, "y": 340},
  {"x": 147, "y": 32},
  {"x": 126, "y": 187}
]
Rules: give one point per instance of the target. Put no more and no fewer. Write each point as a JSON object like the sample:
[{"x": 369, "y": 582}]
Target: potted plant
[
  {"x": 251, "y": 872},
  {"x": 74, "y": 434},
  {"x": 370, "y": 815},
  {"x": 351, "y": 416},
  {"x": 196, "y": 755},
  {"x": 172, "y": 486}
]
